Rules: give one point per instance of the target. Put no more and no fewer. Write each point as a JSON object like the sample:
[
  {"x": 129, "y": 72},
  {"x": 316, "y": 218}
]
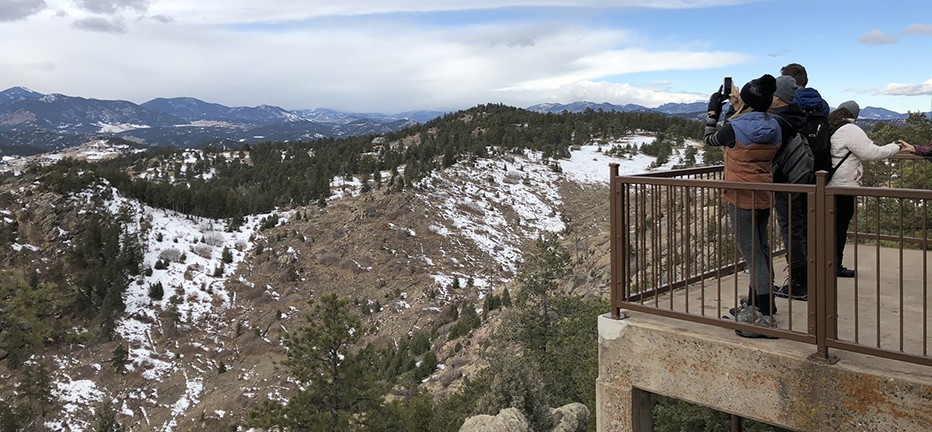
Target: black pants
[
  {"x": 844, "y": 211},
  {"x": 792, "y": 209}
]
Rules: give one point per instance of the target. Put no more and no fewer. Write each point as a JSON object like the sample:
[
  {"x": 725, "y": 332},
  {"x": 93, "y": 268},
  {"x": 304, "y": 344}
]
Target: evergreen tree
[
  {"x": 106, "y": 419},
  {"x": 28, "y": 316},
  {"x": 120, "y": 358},
  {"x": 547, "y": 264},
  {"x": 338, "y": 385},
  {"x": 227, "y": 255},
  {"x": 36, "y": 389}
]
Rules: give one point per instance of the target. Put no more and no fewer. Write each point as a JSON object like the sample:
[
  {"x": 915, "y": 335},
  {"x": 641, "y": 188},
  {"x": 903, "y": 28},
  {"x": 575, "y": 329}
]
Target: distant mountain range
[
  {"x": 669, "y": 108},
  {"x": 32, "y": 122},
  {"x": 695, "y": 109}
]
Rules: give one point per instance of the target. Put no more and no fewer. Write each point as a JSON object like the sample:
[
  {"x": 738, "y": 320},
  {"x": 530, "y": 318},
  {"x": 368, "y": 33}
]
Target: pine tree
[
  {"x": 24, "y": 316},
  {"x": 547, "y": 264},
  {"x": 338, "y": 382},
  {"x": 120, "y": 358},
  {"x": 106, "y": 419},
  {"x": 227, "y": 255}
]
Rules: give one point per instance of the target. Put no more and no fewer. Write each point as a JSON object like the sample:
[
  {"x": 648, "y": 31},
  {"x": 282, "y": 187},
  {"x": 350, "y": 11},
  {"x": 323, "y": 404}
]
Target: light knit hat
[
  {"x": 786, "y": 88},
  {"x": 852, "y": 107}
]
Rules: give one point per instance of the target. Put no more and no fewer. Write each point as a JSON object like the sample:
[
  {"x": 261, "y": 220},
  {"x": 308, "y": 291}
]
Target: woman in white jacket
[{"x": 850, "y": 146}]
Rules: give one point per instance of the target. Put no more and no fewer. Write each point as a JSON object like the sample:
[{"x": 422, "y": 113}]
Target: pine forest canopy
[{"x": 281, "y": 174}]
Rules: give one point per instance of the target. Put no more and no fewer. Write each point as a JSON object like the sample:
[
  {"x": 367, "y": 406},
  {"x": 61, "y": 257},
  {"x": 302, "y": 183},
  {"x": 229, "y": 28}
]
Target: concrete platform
[{"x": 772, "y": 380}]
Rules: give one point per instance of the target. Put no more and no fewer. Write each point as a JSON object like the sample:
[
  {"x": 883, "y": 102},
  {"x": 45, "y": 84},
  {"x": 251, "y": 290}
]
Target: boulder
[
  {"x": 572, "y": 417},
  {"x": 507, "y": 420}
]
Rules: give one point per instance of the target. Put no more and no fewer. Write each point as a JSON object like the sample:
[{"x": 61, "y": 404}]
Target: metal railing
[{"x": 673, "y": 254}]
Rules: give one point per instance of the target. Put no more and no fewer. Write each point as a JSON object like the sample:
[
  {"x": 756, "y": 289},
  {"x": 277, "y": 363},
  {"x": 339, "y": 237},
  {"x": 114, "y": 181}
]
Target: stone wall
[{"x": 766, "y": 380}]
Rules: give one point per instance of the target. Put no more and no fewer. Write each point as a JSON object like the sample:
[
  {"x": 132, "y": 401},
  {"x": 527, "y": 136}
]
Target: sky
[{"x": 392, "y": 56}]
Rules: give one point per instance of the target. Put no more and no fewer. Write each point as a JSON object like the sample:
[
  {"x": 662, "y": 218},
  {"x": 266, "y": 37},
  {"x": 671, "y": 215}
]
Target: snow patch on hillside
[
  {"x": 472, "y": 199},
  {"x": 193, "y": 279}
]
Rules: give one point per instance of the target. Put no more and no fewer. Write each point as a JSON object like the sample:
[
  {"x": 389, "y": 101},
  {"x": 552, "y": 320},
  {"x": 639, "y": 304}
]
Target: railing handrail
[{"x": 822, "y": 328}]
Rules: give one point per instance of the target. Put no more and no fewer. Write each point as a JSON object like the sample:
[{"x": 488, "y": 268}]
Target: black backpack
[
  {"x": 818, "y": 135},
  {"x": 794, "y": 161}
]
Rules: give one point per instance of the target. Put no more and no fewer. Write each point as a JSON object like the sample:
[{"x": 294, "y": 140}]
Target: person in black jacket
[{"x": 791, "y": 208}]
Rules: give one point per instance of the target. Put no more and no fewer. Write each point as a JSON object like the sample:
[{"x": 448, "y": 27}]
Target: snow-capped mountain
[
  {"x": 324, "y": 115},
  {"x": 557, "y": 108},
  {"x": 32, "y": 122},
  {"x": 16, "y": 94},
  {"x": 192, "y": 109},
  {"x": 874, "y": 113}
]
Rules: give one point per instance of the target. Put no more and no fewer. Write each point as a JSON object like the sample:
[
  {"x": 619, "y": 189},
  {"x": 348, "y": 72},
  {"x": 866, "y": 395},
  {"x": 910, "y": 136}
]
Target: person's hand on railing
[{"x": 906, "y": 147}]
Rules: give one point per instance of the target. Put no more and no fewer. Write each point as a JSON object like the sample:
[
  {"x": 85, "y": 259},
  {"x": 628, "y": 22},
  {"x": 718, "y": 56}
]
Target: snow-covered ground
[
  {"x": 194, "y": 284},
  {"x": 91, "y": 151},
  {"x": 589, "y": 165},
  {"x": 472, "y": 197}
]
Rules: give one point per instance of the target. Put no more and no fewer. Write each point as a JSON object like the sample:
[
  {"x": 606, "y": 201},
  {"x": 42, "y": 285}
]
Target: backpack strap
[{"x": 835, "y": 168}]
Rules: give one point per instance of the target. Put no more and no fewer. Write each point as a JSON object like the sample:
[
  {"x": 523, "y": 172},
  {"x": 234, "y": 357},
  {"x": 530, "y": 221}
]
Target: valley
[{"x": 206, "y": 351}]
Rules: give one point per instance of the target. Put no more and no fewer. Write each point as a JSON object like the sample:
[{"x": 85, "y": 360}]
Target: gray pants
[{"x": 751, "y": 231}]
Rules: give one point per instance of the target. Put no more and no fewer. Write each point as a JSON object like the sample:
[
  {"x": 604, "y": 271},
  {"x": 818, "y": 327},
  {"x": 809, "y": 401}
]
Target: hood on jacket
[
  {"x": 756, "y": 128},
  {"x": 809, "y": 98},
  {"x": 792, "y": 114}
]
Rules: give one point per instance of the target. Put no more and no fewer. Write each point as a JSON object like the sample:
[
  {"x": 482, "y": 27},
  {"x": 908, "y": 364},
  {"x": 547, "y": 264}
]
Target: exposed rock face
[
  {"x": 507, "y": 420},
  {"x": 573, "y": 417}
]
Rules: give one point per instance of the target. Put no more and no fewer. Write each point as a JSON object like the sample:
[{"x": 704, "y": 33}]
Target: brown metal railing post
[
  {"x": 824, "y": 268},
  {"x": 615, "y": 244}
]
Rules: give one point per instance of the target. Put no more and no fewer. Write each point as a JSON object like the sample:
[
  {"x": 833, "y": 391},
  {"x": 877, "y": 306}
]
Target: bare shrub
[
  {"x": 203, "y": 250},
  {"x": 170, "y": 254},
  {"x": 214, "y": 238}
]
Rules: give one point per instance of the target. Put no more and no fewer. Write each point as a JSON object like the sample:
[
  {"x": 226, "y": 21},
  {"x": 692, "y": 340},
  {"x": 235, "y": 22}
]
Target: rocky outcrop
[
  {"x": 572, "y": 417},
  {"x": 507, "y": 420}
]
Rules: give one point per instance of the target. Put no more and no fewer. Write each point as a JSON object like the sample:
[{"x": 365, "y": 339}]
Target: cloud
[
  {"x": 921, "y": 89},
  {"x": 112, "y": 6},
  {"x": 601, "y": 91},
  {"x": 250, "y": 11},
  {"x": 101, "y": 25},
  {"x": 162, "y": 19},
  {"x": 877, "y": 37},
  {"x": 369, "y": 63},
  {"x": 779, "y": 53},
  {"x": 918, "y": 29},
  {"x": 12, "y": 10},
  {"x": 631, "y": 60}
]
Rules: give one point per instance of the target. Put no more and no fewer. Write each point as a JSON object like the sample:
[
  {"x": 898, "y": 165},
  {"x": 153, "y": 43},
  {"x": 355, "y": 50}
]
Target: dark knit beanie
[{"x": 758, "y": 93}]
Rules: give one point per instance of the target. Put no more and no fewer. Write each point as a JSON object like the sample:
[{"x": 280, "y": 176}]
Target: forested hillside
[
  {"x": 259, "y": 178},
  {"x": 399, "y": 282}
]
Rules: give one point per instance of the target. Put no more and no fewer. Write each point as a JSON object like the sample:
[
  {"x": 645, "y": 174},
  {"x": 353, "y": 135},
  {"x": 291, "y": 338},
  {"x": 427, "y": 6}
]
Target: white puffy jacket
[{"x": 852, "y": 138}]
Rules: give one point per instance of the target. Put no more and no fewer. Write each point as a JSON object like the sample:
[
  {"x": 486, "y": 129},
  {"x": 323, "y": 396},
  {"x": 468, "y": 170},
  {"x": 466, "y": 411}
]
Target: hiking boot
[
  {"x": 798, "y": 292},
  {"x": 747, "y": 314},
  {"x": 763, "y": 302},
  {"x": 844, "y": 272}
]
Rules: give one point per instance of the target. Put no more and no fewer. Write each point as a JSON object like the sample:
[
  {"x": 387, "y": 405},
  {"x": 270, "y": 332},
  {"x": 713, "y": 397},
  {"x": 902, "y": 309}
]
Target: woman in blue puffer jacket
[{"x": 751, "y": 138}]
